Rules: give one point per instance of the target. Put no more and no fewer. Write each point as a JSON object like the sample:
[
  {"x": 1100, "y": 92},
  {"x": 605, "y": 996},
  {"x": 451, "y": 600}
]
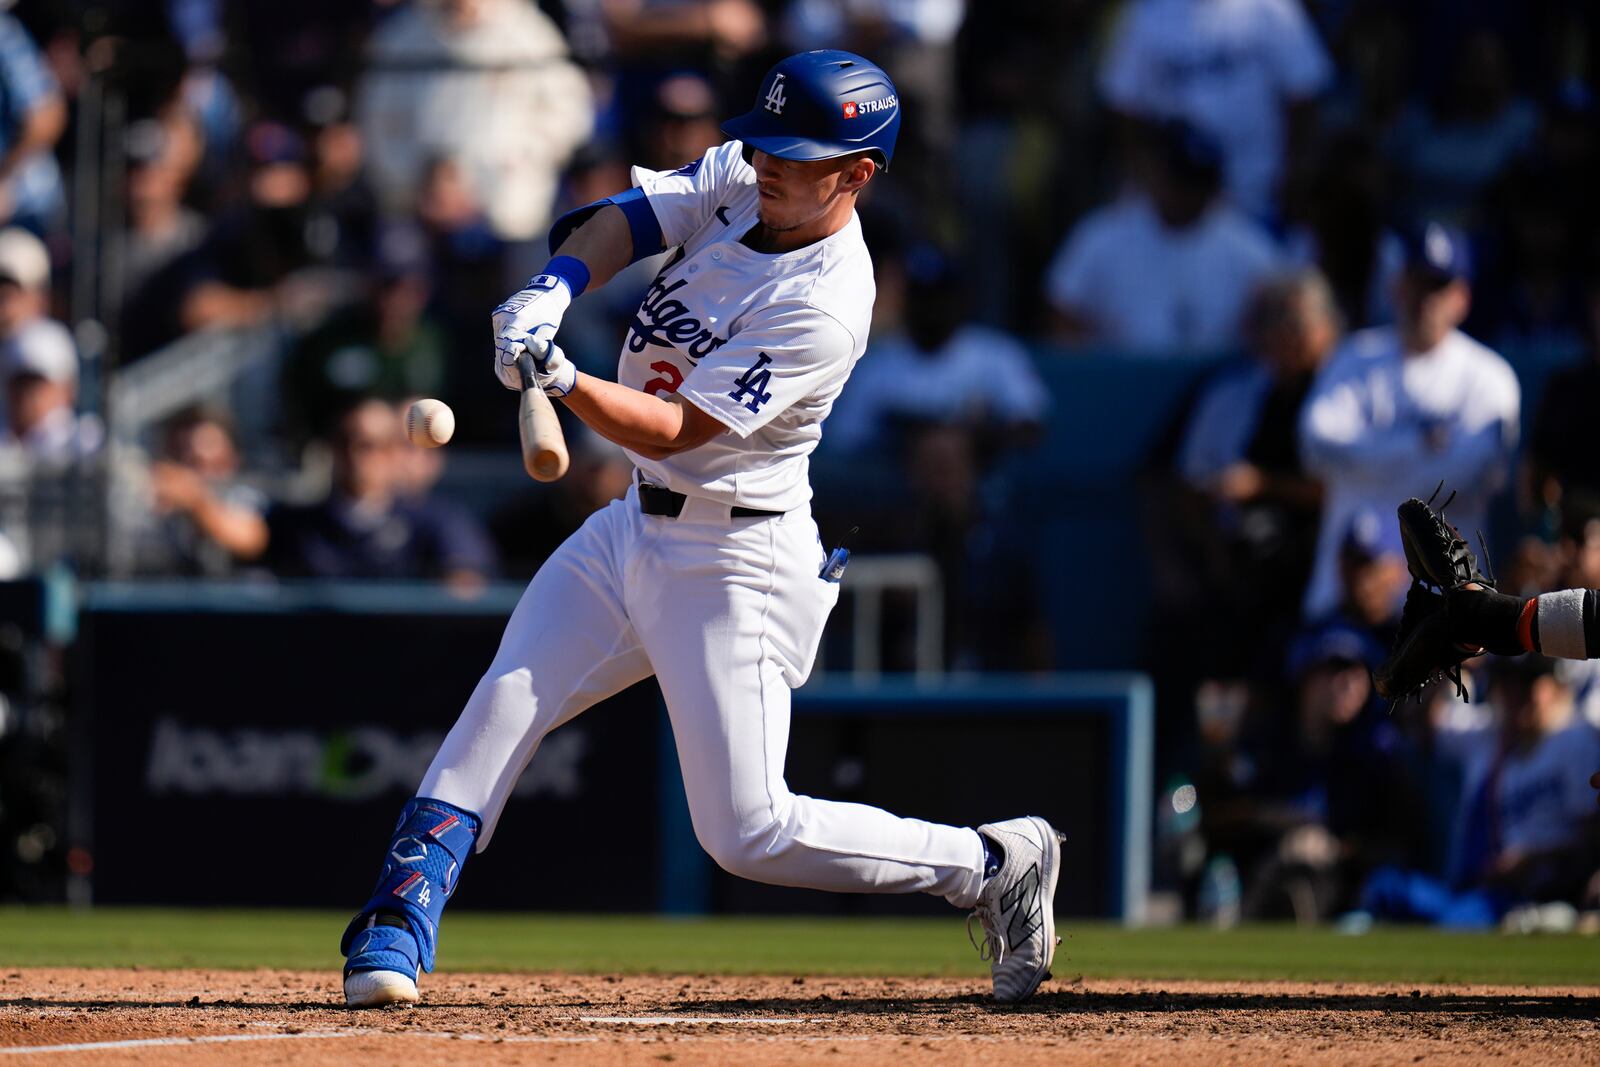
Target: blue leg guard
[{"x": 431, "y": 844}]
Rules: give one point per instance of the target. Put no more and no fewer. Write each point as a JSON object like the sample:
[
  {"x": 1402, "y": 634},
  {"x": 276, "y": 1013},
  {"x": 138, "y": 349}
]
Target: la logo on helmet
[{"x": 775, "y": 97}]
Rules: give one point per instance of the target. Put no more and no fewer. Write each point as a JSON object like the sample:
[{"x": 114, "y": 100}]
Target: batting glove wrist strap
[{"x": 431, "y": 844}]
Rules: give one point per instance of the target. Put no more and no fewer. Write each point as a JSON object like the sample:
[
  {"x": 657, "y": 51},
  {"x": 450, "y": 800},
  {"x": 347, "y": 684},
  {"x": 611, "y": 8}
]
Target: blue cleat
[
  {"x": 382, "y": 968},
  {"x": 397, "y": 931}
]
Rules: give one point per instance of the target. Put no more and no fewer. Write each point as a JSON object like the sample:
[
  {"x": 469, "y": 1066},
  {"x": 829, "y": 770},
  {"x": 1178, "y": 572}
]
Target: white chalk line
[
  {"x": 156, "y": 1042},
  {"x": 693, "y": 1020},
  {"x": 508, "y": 1039}
]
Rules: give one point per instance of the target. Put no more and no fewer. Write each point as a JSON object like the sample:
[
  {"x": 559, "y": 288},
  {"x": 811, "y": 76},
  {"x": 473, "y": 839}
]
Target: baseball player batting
[{"x": 710, "y": 574}]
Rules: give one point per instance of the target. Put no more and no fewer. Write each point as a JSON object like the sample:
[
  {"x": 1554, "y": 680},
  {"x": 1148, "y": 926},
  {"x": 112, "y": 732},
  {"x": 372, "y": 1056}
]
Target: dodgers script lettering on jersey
[{"x": 762, "y": 342}]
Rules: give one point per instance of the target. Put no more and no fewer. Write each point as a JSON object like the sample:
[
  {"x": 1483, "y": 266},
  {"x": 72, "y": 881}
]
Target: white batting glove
[
  {"x": 528, "y": 320},
  {"x": 555, "y": 373}
]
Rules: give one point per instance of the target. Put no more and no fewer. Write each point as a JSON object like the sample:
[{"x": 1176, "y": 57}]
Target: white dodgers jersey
[{"x": 761, "y": 342}]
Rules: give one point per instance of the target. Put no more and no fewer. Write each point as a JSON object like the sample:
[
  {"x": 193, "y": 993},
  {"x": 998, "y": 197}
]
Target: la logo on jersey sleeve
[{"x": 754, "y": 383}]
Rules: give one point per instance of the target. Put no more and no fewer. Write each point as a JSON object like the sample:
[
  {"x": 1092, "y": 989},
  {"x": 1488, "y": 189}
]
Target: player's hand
[
  {"x": 554, "y": 372},
  {"x": 528, "y": 320}
]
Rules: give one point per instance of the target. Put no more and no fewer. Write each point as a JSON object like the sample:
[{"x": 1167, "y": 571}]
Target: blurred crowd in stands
[{"x": 1371, "y": 223}]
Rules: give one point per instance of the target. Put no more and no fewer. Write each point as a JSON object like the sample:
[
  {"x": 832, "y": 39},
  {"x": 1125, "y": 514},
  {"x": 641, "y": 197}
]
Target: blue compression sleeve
[{"x": 642, "y": 223}]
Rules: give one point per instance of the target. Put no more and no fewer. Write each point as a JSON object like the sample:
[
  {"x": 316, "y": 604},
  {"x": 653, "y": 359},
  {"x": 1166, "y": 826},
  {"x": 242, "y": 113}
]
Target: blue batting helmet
[{"x": 821, "y": 105}]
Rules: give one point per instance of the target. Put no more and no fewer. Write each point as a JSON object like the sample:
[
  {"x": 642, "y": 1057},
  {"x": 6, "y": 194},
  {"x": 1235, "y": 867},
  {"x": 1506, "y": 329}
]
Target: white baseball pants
[{"x": 727, "y": 613}]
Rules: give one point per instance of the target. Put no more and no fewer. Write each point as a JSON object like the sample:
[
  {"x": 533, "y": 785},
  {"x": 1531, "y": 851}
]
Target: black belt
[{"x": 659, "y": 500}]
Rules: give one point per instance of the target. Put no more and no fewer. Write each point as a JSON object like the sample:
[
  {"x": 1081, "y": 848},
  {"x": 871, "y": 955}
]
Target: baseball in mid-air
[{"x": 429, "y": 423}]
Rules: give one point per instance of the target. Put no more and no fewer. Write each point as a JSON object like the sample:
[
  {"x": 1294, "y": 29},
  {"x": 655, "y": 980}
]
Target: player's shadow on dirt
[{"x": 1503, "y": 1006}]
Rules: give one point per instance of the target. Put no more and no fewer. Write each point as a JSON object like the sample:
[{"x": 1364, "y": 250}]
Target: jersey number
[{"x": 671, "y": 378}]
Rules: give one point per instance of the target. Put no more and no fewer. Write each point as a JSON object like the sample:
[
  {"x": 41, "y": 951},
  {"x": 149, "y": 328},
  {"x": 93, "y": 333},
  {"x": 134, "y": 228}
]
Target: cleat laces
[{"x": 993, "y": 948}]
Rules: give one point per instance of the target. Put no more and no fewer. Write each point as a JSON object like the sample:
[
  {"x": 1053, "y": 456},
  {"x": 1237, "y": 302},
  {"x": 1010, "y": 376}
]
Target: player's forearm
[
  {"x": 604, "y": 244},
  {"x": 644, "y": 423}
]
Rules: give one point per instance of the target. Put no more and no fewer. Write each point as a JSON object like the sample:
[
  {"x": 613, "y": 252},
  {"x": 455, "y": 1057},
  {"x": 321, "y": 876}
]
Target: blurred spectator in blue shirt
[
  {"x": 32, "y": 117},
  {"x": 367, "y": 527},
  {"x": 1525, "y": 822}
]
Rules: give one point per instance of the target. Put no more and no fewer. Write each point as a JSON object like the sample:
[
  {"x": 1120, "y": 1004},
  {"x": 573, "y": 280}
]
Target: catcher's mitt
[
  {"x": 1441, "y": 564},
  {"x": 1435, "y": 553}
]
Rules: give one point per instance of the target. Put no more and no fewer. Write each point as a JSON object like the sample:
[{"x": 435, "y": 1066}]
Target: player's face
[
  {"x": 795, "y": 193},
  {"x": 1429, "y": 311}
]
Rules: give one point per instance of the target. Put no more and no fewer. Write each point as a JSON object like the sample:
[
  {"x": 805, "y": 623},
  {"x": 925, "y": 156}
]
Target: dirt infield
[{"x": 261, "y": 1017}]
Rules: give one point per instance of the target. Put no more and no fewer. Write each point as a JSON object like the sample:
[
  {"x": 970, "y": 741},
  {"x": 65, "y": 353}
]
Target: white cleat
[
  {"x": 375, "y": 989},
  {"x": 1017, "y": 907}
]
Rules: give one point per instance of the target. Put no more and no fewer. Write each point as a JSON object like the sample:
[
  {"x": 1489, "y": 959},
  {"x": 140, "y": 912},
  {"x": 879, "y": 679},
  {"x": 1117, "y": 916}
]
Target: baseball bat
[{"x": 544, "y": 448}]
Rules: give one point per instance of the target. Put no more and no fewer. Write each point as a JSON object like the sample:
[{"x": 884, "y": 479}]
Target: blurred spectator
[
  {"x": 1244, "y": 71},
  {"x": 32, "y": 118},
  {"x": 1241, "y": 449},
  {"x": 1447, "y": 152},
  {"x": 366, "y": 527},
  {"x": 1308, "y": 801},
  {"x": 385, "y": 346},
  {"x": 532, "y": 526},
  {"x": 649, "y": 40},
  {"x": 1372, "y": 579},
  {"x": 681, "y": 124},
  {"x": 258, "y": 262},
  {"x": 39, "y": 365},
  {"x": 1340, "y": 228},
  {"x": 208, "y": 517},
  {"x": 703, "y": 30},
  {"x": 939, "y": 367},
  {"x": 1399, "y": 410},
  {"x": 484, "y": 82},
  {"x": 1559, "y": 460},
  {"x": 24, "y": 280},
  {"x": 467, "y": 261},
  {"x": 160, "y": 226},
  {"x": 1525, "y": 819},
  {"x": 913, "y": 40},
  {"x": 342, "y": 210},
  {"x": 1167, "y": 270}
]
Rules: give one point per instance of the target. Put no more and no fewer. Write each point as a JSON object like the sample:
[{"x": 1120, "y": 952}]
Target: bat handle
[{"x": 526, "y": 370}]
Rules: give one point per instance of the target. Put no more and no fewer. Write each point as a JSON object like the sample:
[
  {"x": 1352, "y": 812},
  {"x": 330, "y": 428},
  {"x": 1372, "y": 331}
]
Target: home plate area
[{"x": 60, "y": 1015}]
